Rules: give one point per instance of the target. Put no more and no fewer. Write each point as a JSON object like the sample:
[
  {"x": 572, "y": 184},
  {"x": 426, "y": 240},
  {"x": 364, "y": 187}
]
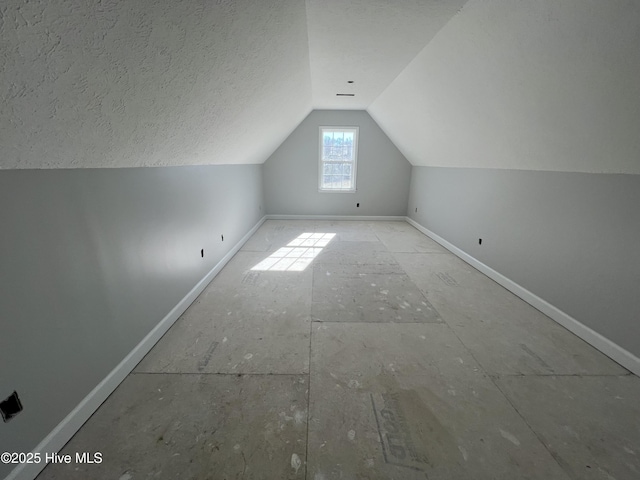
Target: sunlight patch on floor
[{"x": 297, "y": 255}]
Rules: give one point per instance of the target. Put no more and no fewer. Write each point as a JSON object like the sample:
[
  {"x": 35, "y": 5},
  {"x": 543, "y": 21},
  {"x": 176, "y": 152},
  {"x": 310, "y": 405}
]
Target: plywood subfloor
[{"x": 387, "y": 357}]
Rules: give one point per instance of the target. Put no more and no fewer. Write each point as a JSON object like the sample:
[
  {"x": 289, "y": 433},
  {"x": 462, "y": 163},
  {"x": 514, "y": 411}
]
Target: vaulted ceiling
[
  {"x": 368, "y": 42},
  {"x": 481, "y": 83}
]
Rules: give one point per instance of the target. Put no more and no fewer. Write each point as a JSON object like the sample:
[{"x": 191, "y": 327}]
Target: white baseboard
[
  {"x": 391, "y": 218},
  {"x": 618, "y": 354},
  {"x": 67, "y": 428}
]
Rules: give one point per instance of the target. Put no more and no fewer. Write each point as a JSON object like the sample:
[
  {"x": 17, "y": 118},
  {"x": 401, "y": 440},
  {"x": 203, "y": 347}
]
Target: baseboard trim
[
  {"x": 68, "y": 427},
  {"x": 618, "y": 354},
  {"x": 392, "y": 218}
]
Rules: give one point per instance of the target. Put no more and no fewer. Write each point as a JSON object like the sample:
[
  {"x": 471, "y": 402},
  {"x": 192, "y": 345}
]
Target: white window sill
[{"x": 336, "y": 191}]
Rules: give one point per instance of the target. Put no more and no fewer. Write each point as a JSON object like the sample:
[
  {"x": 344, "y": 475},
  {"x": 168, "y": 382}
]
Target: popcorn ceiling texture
[{"x": 149, "y": 83}]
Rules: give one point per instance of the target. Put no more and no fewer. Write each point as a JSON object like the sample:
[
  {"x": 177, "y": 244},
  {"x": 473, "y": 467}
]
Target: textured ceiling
[
  {"x": 150, "y": 83},
  {"x": 369, "y": 42},
  {"x": 539, "y": 85},
  {"x": 113, "y": 83}
]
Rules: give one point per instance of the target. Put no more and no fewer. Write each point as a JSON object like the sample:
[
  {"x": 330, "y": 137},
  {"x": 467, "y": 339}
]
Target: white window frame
[{"x": 321, "y": 162}]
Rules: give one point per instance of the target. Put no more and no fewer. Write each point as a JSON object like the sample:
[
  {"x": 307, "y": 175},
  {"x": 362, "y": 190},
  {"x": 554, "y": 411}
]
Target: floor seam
[
  {"x": 425, "y": 253},
  {"x": 238, "y": 374},
  {"x": 493, "y": 381},
  {"x": 538, "y": 437},
  {"x": 306, "y": 453},
  {"x": 503, "y": 375},
  {"x": 382, "y": 323}
]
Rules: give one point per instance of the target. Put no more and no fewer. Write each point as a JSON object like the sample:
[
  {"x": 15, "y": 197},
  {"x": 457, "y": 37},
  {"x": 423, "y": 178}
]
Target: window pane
[
  {"x": 337, "y": 146},
  {"x": 337, "y": 176},
  {"x": 347, "y": 173},
  {"x": 337, "y": 157},
  {"x": 348, "y": 177}
]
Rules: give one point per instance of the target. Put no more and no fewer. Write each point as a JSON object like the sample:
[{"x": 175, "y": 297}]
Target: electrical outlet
[{"x": 10, "y": 407}]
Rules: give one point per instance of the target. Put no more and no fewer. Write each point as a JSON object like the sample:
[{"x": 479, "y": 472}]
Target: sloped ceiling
[
  {"x": 150, "y": 83},
  {"x": 535, "y": 85},
  {"x": 153, "y": 83},
  {"x": 539, "y": 85},
  {"x": 368, "y": 42}
]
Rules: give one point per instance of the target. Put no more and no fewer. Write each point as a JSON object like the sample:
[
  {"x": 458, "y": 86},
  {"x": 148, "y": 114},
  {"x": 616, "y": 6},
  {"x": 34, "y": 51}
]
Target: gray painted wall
[
  {"x": 93, "y": 259},
  {"x": 570, "y": 238},
  {"x": 291, "y": 173}
]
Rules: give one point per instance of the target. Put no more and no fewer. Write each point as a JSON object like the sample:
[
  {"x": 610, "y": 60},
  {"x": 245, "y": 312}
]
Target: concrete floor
[{"x": 385, "y": 358}]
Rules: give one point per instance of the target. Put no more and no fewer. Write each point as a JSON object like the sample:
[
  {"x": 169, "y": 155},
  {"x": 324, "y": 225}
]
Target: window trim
[{"x": 356, "y": 139}]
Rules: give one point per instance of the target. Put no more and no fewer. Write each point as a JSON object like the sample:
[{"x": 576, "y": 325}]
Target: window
[{"x": 338, "y": 153}]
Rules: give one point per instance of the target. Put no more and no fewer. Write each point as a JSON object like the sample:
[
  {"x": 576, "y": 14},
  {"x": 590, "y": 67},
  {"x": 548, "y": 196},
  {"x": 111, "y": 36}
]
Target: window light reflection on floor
[{"x": 297, "y": 255}]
